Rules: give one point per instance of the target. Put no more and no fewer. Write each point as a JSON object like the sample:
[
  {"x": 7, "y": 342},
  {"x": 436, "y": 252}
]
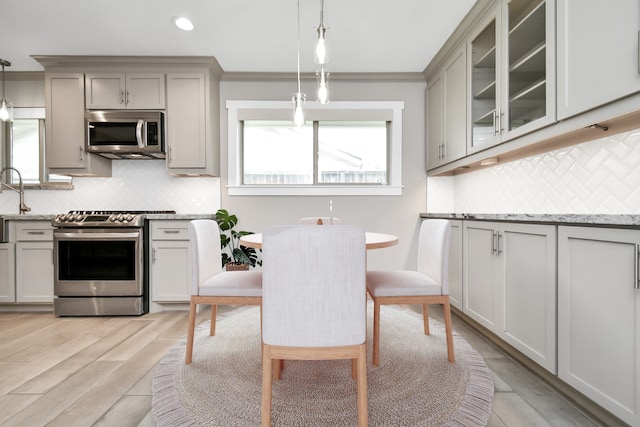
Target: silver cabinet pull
[
  {"x": 636, "y": 275},
  {"x": 498, "y": 237},
  {"x": 171, "y": 231},
  {"x": 35, "y": 232},
  {"x": 493, "y": 242},
  {"x": 153, "y": 256},
  {"x": 121, "y": 96}
]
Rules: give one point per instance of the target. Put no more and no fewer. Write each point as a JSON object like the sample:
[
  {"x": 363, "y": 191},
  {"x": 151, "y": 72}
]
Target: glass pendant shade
[
  {"x": 298, "y": 100},
  {"x": 321, "y": 54},
  {"x": 6, "y": 110},
  {"x": 6, "y": 106},
  {"x": 323, "y": 86}
]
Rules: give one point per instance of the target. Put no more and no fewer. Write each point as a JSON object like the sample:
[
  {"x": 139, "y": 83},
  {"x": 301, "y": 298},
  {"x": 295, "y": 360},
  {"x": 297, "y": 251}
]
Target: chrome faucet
[{"x": 23, "y": 208}]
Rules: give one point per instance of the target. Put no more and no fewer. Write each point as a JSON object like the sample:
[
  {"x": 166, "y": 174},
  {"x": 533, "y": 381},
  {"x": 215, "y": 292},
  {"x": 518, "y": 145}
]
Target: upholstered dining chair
[
  {"x": 313, "y": 302},
  {"x": 428, "y": 285},
  {"x": 320, "y": 220},
  {"x": 210, "y": 284}
]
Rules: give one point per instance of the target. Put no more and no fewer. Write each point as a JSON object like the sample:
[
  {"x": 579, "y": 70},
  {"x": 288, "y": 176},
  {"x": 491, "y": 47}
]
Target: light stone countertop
[
  {"x": 556, "y": 219},
  {"x": 49, "y": 217}
]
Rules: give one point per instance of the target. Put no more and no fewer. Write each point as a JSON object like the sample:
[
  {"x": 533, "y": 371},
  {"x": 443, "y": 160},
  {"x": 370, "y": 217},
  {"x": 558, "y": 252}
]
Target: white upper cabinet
[
  {"x": 447, "y": 112},
  {"x": 192, "y": 123},
  {"x": 511, "y": 72},
  {"x": 134, "y": 91},
  {"x": 597, "y": 53},
  {"x": 65, "y": 131}
]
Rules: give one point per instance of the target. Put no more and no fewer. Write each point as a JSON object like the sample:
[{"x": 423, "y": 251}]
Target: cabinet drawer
[
  {"x": 33, "y": 231},
  {"x": 169, "y": 230}
]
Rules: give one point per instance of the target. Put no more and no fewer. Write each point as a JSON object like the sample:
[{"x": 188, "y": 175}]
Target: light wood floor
[{"x": 98, "y": 372}]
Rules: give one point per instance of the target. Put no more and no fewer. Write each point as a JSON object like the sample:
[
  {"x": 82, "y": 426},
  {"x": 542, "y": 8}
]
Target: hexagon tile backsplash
[
  {"x": 595, "y": 177},
  {"x": 134, "y": 185}
]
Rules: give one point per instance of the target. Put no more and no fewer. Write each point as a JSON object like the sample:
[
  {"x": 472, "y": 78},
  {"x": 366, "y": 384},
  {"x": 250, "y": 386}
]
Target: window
[
  {"x": 348, "y": 152},
  {"x": 346, "y": 148},
  {"x": 25, "y": 149}
]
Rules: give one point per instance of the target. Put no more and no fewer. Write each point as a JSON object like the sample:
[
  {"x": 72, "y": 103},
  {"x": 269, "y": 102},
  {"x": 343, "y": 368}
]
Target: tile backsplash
[
  {"x": 134, "y": 185},
  {"x": 595, "y": 177}
]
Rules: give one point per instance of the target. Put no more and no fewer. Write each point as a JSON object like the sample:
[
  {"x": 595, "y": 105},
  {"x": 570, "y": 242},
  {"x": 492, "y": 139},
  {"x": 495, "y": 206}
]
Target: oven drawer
[
  {"x": 39, "y": 231},
  {"x": 169, "y": 230}
]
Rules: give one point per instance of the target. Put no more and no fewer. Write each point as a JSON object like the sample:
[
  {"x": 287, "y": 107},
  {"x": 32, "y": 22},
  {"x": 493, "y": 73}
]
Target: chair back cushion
[
  {"x": 206, "y": 255},
  {"x": 314, "y": 286},
  {"x": 433, "y": 251}
]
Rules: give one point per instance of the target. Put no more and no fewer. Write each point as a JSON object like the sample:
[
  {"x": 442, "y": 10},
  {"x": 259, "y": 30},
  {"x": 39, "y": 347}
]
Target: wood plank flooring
[{"x": 98, "y": 371}]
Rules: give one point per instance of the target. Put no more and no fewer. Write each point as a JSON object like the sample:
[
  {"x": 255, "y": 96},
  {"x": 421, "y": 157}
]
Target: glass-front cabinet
[{"x": 511, "y": 72}]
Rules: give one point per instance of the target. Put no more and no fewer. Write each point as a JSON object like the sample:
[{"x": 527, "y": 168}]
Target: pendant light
[
  {"x": 6, "y": 106},
  {"x": 321, "y": 56},
  {"x": 298, "y": 98}
]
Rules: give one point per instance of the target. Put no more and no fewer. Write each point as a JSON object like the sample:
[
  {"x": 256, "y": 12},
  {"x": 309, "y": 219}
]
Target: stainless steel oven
[{"x": 100, "y": 263}]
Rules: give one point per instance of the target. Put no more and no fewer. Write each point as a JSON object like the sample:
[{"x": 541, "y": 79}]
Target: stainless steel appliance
[
  {"x": 125, "y": 134},
  {"x": 101, "y": 263}
]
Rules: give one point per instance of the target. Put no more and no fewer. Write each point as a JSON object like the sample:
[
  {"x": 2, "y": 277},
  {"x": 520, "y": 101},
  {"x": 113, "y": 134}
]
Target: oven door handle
[{"x": 97, "y": 236}]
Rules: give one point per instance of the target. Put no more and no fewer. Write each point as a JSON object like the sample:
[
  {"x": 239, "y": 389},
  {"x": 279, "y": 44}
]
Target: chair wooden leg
[
  {"x": 214, "y": 314},
  {"x": 425, "y": 318},
  {"x": 446, "y": 308},
  {"x": 376, "y": 332},
  {"x": 278, "y": 367},
  {"x": 362, "y": 386},
  {"x": 267, "y": 374},
  {"x": 190, "y": 331}
]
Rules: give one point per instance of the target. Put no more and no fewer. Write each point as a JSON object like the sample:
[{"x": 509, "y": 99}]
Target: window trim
[{"x": 238, "y": 109}]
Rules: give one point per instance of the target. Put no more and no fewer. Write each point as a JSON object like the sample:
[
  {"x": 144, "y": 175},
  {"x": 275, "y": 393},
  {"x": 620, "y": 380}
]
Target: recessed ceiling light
[{"x": 182, "y": 23}]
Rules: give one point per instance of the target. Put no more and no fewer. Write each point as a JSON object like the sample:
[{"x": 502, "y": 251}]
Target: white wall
[
  {"x": 397, "y": 215},
  {"x": 595, "y": 177}
]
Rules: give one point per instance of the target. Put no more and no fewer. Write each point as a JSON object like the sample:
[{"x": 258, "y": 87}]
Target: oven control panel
[{"x": 102, "y": 218}]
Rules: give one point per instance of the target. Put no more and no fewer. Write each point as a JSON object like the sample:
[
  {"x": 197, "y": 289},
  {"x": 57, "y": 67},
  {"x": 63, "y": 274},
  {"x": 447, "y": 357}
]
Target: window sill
[{"x": 328, "y": 190}]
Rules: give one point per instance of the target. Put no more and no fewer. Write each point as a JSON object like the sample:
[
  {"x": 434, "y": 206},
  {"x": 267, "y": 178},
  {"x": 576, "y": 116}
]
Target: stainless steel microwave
[{"x": 125, "y": 134}]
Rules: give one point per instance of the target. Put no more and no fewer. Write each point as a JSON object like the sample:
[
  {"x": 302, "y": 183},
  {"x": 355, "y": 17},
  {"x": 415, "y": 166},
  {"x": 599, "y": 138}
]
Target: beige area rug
[{"x": 414, "y": 385}]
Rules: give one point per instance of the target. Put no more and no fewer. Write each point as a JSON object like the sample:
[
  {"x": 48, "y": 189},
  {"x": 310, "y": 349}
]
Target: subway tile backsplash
[
  {"x": 134, "y": 185},
  {"x": 595, "y": 177}
]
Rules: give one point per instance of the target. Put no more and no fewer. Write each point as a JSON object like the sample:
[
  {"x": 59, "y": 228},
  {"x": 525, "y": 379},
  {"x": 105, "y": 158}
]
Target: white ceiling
[{"x": 243, "y": 35}]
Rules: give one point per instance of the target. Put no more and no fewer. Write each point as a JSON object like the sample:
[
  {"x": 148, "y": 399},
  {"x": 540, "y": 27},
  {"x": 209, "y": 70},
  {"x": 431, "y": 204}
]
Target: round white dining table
[{"x": 373, "y": 240}]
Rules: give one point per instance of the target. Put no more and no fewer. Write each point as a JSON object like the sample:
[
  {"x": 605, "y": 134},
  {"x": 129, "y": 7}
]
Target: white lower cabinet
[
  {"x": 170, "y": 263},
  {"x": 599, "y": 317},
  {"x": 7, "y": 272},
  {"x": 455, "y": 265},
  {"x": 34, "y": 261},
  {"x": 509, "y": 284}
]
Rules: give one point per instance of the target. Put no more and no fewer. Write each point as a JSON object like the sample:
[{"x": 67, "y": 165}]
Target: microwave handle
[{"x": 139, "y": 134}]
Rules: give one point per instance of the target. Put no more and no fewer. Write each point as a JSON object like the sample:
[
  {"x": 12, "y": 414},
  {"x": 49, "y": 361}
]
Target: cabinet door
[
  {"x": 455, "y": 265},
  {"x": 527, "y": 255},
  {"x": 171, "y": 270},
  {"x": 455, "y": 100},
  {"x": 529, "y": 95},
  {"x": 485, "y": 57},
  {"x": 7, "y": 272},
  {"x": 34, "y": 272},
  {"x": 187, "y": 121},
  {"x": 597, "y": 53},
  {"x": 481, "y": 291},
  {"x": 65, "y": 131},
  {"x": 145, "y": 91},
  {"x": 105, "y": 91},
  {"x": 599, "y": 317},
  {"x": 65, "y": 120},
  {"x": 435, "y": 121}
]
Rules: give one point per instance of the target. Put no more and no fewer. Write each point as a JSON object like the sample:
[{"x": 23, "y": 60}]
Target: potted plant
[{"x": 234, "y": 255}]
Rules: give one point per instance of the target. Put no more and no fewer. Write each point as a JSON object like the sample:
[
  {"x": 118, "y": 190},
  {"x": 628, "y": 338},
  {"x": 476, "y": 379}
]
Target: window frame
[
  {"x": 32, "y": 113},
  {"x": 239, "y": 110}
]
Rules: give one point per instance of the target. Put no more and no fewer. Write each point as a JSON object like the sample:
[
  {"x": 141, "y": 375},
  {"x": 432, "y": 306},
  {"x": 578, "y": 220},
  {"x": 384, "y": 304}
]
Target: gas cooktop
[{"x": 104, "y": 218}]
